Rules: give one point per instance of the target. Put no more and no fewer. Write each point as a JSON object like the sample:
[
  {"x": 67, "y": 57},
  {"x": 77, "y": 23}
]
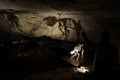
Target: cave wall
[
  {"x": 33, "y": 24},
  {"x": 93, "y": 21}
]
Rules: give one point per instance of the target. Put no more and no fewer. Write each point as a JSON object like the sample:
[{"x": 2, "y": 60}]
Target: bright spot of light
[
  {"x": 78, "y": 51},
  {"x": 82, "y": 69}
]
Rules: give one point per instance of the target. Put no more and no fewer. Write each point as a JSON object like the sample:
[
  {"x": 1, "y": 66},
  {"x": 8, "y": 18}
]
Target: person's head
[{"x": 105, "y": 37}]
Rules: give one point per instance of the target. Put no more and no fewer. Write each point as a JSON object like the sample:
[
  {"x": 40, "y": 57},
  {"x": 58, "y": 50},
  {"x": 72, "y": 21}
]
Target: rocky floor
[
  {"x": 33, "y": 62},
  {"x": 56, "y": 70}
]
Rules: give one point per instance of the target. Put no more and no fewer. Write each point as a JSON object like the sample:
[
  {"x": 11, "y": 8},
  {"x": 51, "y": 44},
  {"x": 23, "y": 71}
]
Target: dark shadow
[
  {"x": 106, "y": 59},
  {"x": 14, "y": 21}
]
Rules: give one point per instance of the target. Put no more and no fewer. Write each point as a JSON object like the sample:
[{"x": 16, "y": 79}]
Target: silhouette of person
[{"x": 106, "y": 53}]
